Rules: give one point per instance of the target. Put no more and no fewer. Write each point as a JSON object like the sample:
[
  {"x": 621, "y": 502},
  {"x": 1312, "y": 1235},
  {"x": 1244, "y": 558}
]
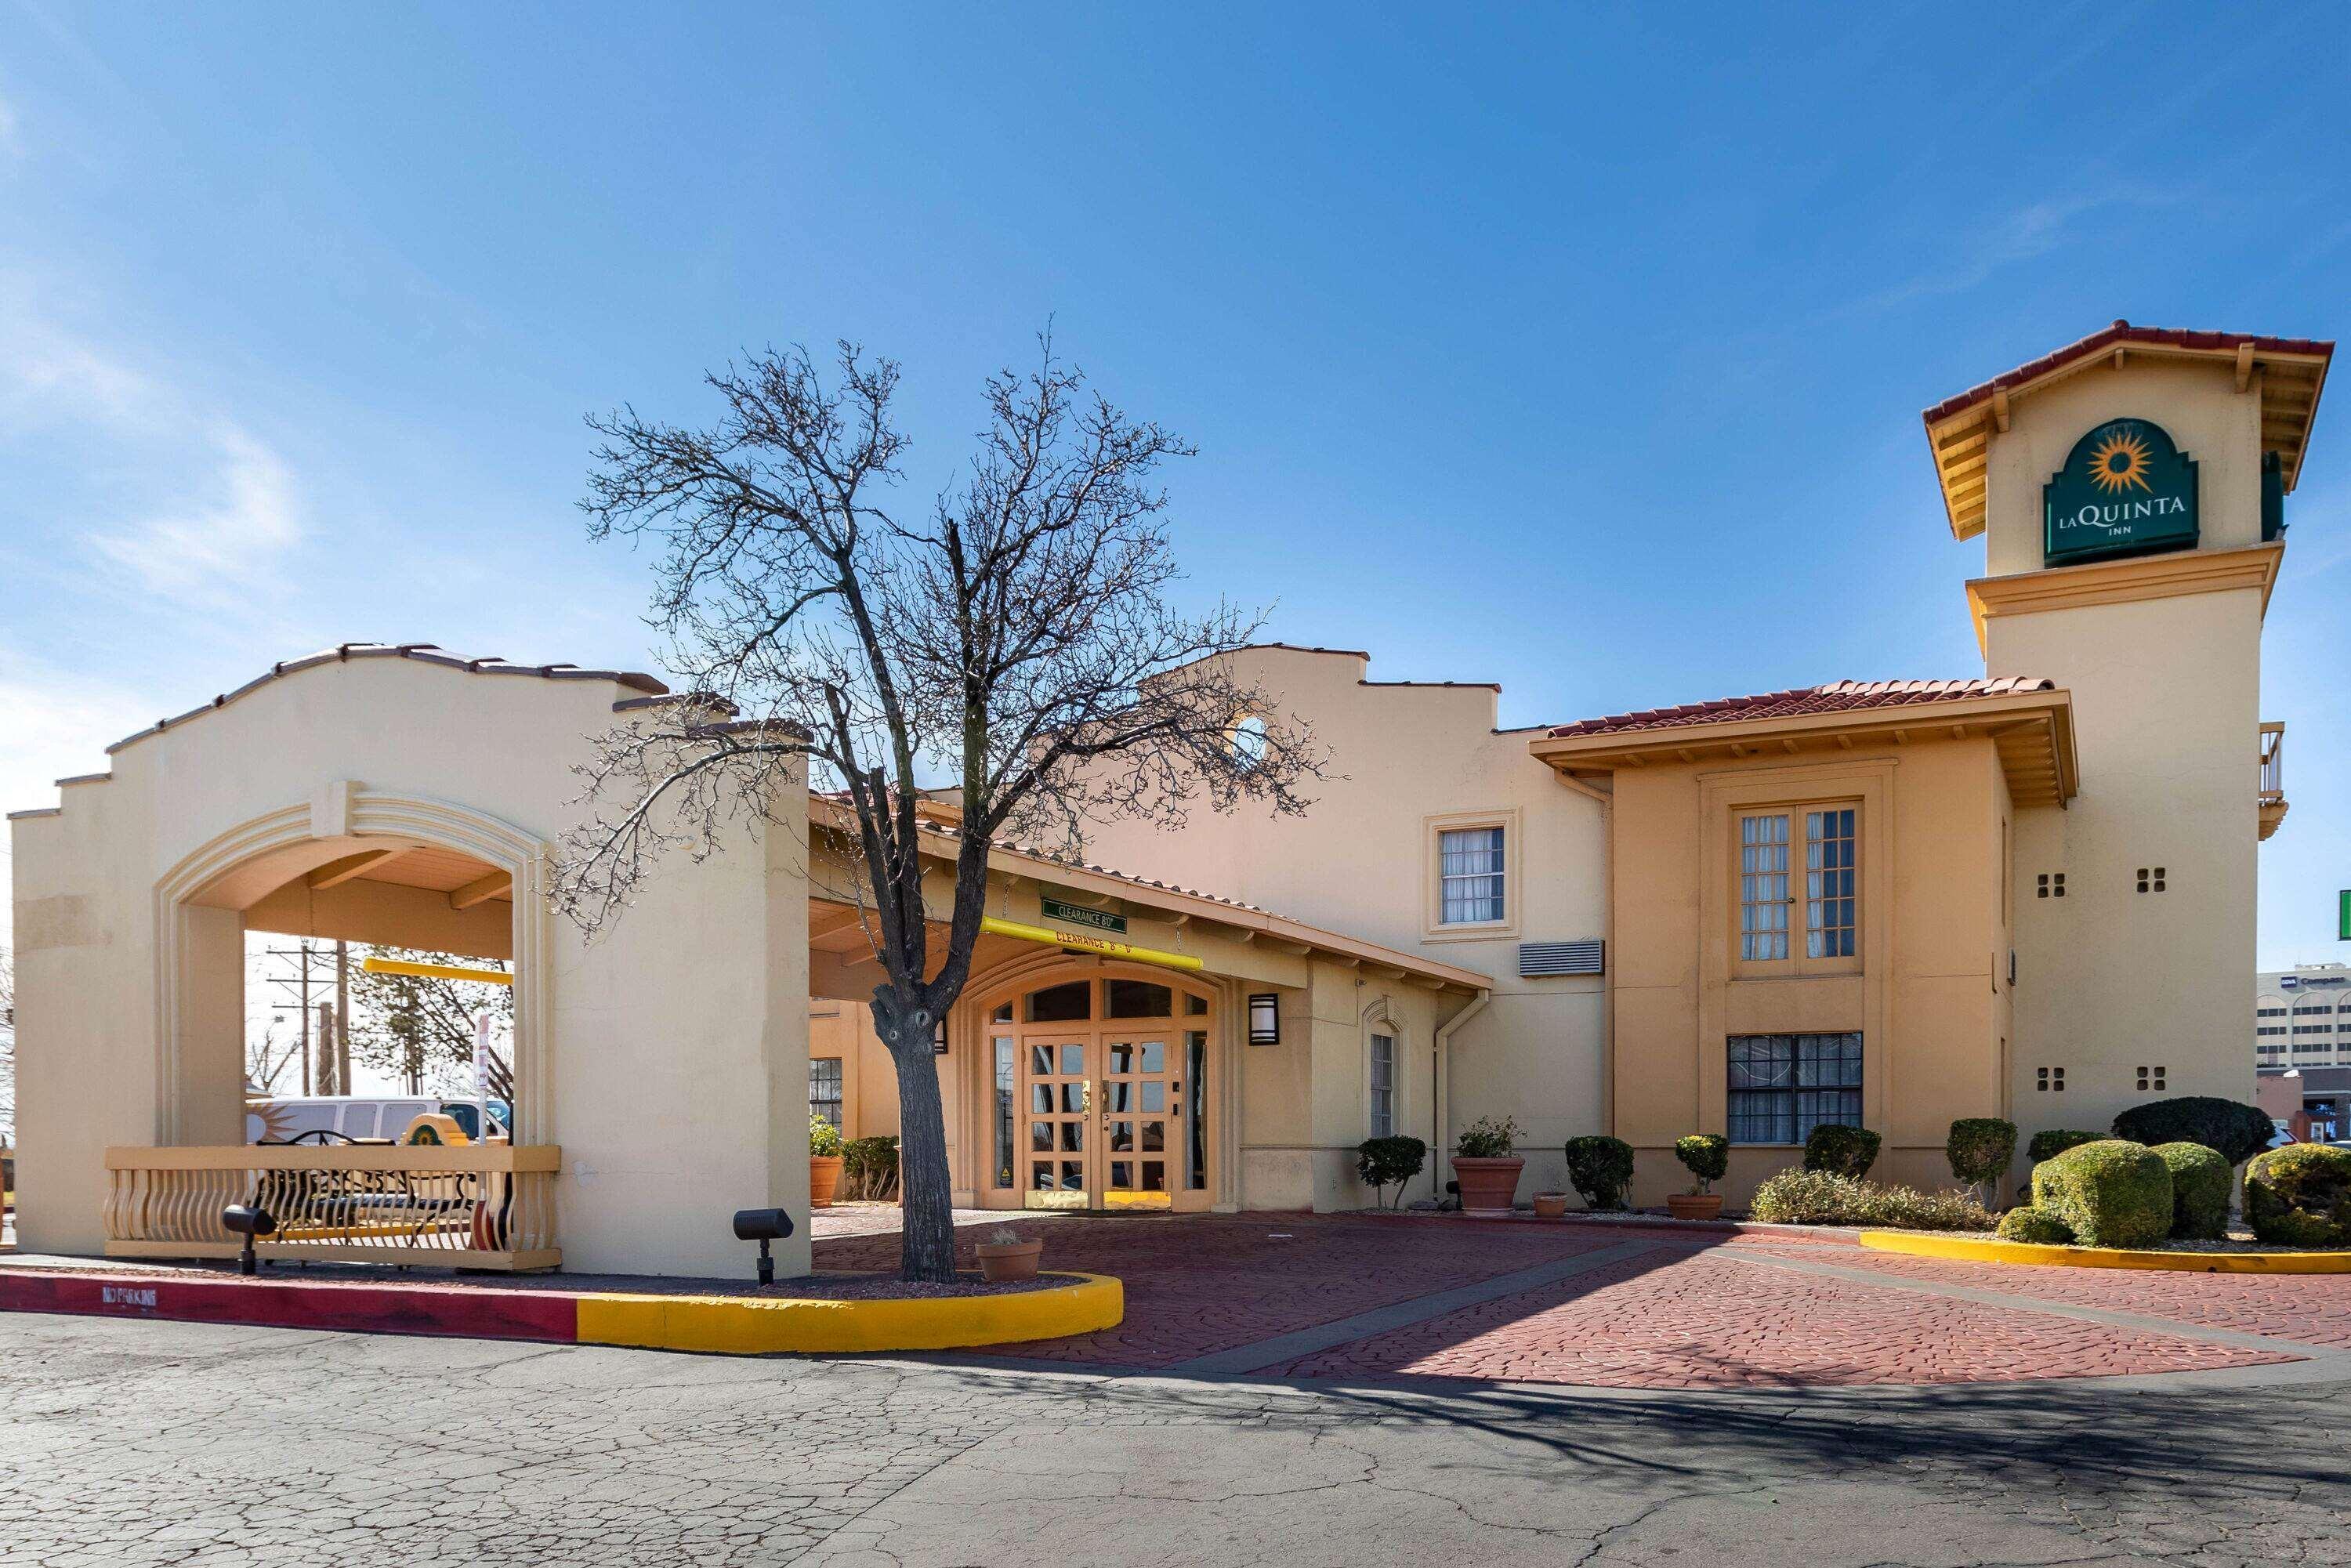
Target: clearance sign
[{"x": 2125, "y": 491}]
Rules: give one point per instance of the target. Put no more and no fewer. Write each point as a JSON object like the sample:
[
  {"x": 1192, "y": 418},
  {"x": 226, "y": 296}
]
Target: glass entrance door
[
  {"x": 1141, "y": 1120},
  {"x": 1060, "y": 1118},
  {"x": 1110, "y": 1097}
]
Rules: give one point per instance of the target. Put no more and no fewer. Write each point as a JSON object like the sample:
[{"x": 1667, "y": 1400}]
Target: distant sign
[
  {"x": 2343, "y": 915},
  {"x": 2126, "y": 489},
  {"x": 1069, "y": 914}
]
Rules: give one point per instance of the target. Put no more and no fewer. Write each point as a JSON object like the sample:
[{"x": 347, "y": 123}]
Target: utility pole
[
  {"x": 342, "y": 1017},
  {"x": 306, "y": 963}
]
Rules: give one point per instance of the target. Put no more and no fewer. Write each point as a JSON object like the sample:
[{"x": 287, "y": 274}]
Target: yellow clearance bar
[
  {"x": 435, "y": 971},
  {"x": 1090, "y": 944}
]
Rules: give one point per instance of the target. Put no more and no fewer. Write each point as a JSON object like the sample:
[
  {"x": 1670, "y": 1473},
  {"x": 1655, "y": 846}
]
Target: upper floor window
[
  {"x": 1773, "y": 884},
  {"x": 1470, "y": 876}
]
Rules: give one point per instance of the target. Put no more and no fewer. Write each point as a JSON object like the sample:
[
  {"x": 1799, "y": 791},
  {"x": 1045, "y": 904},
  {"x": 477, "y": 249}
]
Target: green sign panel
[
  {"x": 2125, "y": 491},
  {"x": 2343, "y": 915},
  {"x": 1079, "y": 914}
]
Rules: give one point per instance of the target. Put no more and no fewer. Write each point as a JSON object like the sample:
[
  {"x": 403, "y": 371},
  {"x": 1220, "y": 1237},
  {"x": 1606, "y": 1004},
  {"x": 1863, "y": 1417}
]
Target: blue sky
[{"x": 1582, "y": 349}]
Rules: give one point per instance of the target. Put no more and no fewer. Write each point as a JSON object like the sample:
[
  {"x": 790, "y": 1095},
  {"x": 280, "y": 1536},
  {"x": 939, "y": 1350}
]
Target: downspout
[{"x": 1441, "y": 1069}]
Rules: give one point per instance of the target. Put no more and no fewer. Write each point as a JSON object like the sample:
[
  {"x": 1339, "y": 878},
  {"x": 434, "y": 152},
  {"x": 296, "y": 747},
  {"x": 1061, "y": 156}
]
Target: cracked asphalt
[{"x": 130, "y": 1443}]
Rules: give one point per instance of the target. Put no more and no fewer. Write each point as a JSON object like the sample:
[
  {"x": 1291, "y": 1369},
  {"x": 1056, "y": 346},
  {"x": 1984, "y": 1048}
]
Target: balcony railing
[
  {"x": 2273, "y": 776},
  {"x": 474, "y": 1206}
]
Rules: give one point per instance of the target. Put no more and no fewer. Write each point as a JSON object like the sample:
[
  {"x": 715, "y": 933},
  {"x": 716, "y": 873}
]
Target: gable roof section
[{"x": 2291, "y": 371}]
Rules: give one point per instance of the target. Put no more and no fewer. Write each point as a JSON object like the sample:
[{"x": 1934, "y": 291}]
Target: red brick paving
[{"x": 1686, "y": 1315}]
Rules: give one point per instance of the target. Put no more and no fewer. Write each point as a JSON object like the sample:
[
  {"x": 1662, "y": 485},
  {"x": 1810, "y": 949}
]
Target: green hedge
[
  {"x": 1824, "y": 1198},
  {"x": 2237, "y": 1130},
  {"x": 1980, "y": 1149},
  {"x": 1842, "y": 1151},
  {"x": 2049, "y": 1144},
  {"x": 2037, "y": 1226},
  {"x": 2300, "y": 1195},
  {"x": 2111, "y": 1193},
  {"x": 1600, "y": 1169},
  {"x": 2201, "y": 1180}
]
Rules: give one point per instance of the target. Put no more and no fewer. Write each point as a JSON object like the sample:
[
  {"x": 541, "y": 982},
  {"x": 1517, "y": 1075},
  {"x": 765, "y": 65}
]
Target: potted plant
[
  {"x": 1005, "y": 1258},
  {"x": 1706, "y": 1155},
  {"x": 824, "y": 1161},
  {"x": 1550, "y": 1206},
  {"x": 1485, "y": 1167}
]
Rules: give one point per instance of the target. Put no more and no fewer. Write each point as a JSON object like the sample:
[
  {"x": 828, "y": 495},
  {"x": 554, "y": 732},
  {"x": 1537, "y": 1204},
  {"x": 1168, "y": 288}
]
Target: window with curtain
[
  {"x": 1785, "y": 1085},
  {"x": 1470, "y": 876},
  {"x": 1828, "y": 894},
  {"x": 1384, "y": 1064}
]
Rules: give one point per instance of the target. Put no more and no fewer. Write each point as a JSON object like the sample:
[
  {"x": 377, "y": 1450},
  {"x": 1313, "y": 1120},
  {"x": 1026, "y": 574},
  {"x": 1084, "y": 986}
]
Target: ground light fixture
[
  {"x": 248, "y": 1220},
  {"x": 763, "y": 1226},
  {"x": 1265, "y": 1019}
]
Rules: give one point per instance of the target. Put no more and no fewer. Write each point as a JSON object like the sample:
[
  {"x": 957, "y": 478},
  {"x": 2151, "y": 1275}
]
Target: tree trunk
[{"x": 927, "y": 1195}]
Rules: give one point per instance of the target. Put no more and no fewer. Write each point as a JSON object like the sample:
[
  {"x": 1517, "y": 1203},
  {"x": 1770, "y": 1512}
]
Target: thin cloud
[{"x": 11, "y": 141}]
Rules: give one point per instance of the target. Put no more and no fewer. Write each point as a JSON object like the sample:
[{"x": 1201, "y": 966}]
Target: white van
[{"x": 282, "y": 1120}]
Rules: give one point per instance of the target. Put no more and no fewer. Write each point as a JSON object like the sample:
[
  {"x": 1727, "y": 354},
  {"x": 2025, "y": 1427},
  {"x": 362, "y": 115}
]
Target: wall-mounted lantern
[
  {"x": 939, "y": 1036},
  {"x": 1265, "y": 1019}
]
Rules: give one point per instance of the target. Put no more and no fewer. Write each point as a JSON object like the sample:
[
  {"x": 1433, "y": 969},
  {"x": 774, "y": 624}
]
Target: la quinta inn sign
[{"x": 2126, "y": 489}]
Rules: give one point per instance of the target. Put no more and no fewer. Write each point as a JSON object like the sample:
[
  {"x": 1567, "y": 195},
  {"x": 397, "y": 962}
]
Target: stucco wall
[{"x": 665, "y": 1043}]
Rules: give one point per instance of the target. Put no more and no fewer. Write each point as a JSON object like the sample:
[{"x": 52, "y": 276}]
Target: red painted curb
[{"x": 535, "y": 1316}]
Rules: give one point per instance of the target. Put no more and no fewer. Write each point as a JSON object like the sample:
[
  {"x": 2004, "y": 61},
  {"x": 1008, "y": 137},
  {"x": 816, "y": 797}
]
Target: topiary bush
[
  {"x": 2054, "y": 1141},
  {"x": 2300, "y": 1195},
  {"x": 2036, "y": 1225},
  {"x": 1842, "y": 1151},
  {"x": 2112, "y": 1193},
  {"x": 1600, "y": 1170},
  {"x": 2237, "y": 1130},
  {"x": 1980, "y": 1149},
  {"x": 2201, "y": 1180},
  {"x": 1824, "y": 1198},
  {"x": 1383, "y": 1163},
  {"x": 1706, "y": 1155}
]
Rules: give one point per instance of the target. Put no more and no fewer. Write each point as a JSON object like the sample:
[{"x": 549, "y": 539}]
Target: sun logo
[{"x": 2120, "y": 463}]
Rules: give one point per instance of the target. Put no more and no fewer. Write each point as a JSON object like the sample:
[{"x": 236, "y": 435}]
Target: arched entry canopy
[{"x": 1100, "y": 1055}]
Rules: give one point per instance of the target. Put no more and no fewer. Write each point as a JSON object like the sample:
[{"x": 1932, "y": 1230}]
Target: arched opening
[{"x": 1099, "y": 1087}]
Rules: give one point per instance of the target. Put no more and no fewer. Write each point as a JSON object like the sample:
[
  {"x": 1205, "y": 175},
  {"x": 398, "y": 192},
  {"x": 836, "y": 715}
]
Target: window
[
  {"x": 2270, "y": 1028},
  {"x": 1062, "y": 1004},
  {"x": 1248, "y": 742},
  {"x": 1384, "y": 1053},
  {"x": 2150, "y": 879},
  {"x": 1768, "y": 891},
  {"x": 1470, "y": 876},
  {"x": 1007, "y": 1086},
  {"x": 1785, "y": 1085},
  {"x": 2151, "y": 1077},
  {"x": 2307, "y": 1009},
  {"x": 1196, "y": 1073},
  {"x": 1140, "y": 999},
  {"x": 824, "y": 1087},
  {"x": 2050, "y": 884},
  {"x": 2269, "y": 1013},
  {"x": 2051, "y": 1079}
]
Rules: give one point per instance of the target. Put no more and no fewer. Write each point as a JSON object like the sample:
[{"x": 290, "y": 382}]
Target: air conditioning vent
[{"x": 1543, "y": 958}]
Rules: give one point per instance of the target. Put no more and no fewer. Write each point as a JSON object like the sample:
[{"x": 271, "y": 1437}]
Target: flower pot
[
  {"x": 1488, "y": 1185},
  {"x": 824, "y": 1179},
  {"x": 1551, "y": 1205},
  {"x": 1003, "y": 1261},
  {"x": 1694, "y": 1205}
]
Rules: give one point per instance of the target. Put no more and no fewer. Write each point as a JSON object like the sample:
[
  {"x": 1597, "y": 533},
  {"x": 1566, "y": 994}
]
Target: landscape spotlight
[
  {"x": 763, "y": 1226},
  {"x": 248, "y": 1220}
]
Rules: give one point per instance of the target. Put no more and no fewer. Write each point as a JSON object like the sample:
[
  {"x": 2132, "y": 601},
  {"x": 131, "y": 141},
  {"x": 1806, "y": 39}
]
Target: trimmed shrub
[
  {"x": 1980, "y": 1149},
  {"x": 1600, "y": 1170},
  {"x": 2037, "y": 1226},
  {"x": 2237, "y": 1130},
  {"x": 1842, "y": 1151},
  {"x": 1384, "y": 1163},
  {"x": 1706, "y": 1155},
  {"x": 1824, "y": 1198},
  {"x": 2300, "y": 1195},
  {"x": 2201, "y": 1180},
  {"x": 869, "y": 1168},
  {"x": 2112, "y": 1193},
  {"x": 2054, "y": 1141}
]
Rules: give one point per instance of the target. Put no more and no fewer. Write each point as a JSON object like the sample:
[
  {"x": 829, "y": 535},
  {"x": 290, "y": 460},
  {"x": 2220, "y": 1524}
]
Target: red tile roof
[
  {"x": 1836, "y": 696},
  {"x": 2124, "y": 333}
]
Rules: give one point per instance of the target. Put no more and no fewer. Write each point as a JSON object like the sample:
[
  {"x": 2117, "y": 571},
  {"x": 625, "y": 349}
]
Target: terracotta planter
[
  {"x": 1488, "y": 1187},
  {"x": 1694, "y": 1205},
  {"x": 1550, "y": 1206},
  {"x": 1001, "y": 1262},
  {"x": 824, "y": 1179}
]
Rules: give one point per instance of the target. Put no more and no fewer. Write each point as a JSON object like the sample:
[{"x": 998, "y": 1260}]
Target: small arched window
[{"x": 1248, "y": 743}]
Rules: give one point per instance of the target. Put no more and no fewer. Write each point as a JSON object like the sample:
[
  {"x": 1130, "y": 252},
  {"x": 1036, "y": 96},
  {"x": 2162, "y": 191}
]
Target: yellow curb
[
  {"x": 1975, "y": 1250},
  {"x": 764, "y": 1325}
]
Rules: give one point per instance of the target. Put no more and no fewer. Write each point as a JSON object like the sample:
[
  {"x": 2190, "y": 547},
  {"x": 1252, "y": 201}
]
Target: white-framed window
[
  {"x": 1799, "y": 890},
  {"x": 1383, "y": 1082},
  {"x": 1471, "y": 876}
]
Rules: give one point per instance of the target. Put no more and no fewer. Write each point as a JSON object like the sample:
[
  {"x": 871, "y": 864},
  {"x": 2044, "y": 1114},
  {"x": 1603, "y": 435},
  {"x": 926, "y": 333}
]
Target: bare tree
[
  {"x": 420, "y": 1028},
  {"x": 268, "y": 1057},
  {"x": 1012, "y": 643}
]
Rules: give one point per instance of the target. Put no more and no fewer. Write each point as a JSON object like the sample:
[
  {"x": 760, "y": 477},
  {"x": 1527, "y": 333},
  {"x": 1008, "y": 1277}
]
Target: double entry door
[{"x": 1110, "y": 1116}]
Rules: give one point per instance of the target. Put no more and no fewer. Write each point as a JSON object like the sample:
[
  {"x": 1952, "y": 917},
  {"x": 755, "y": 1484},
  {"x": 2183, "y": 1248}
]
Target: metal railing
[
  {"x": 472, "y": 1206},
  {"x": 2272, "y": 753}
]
